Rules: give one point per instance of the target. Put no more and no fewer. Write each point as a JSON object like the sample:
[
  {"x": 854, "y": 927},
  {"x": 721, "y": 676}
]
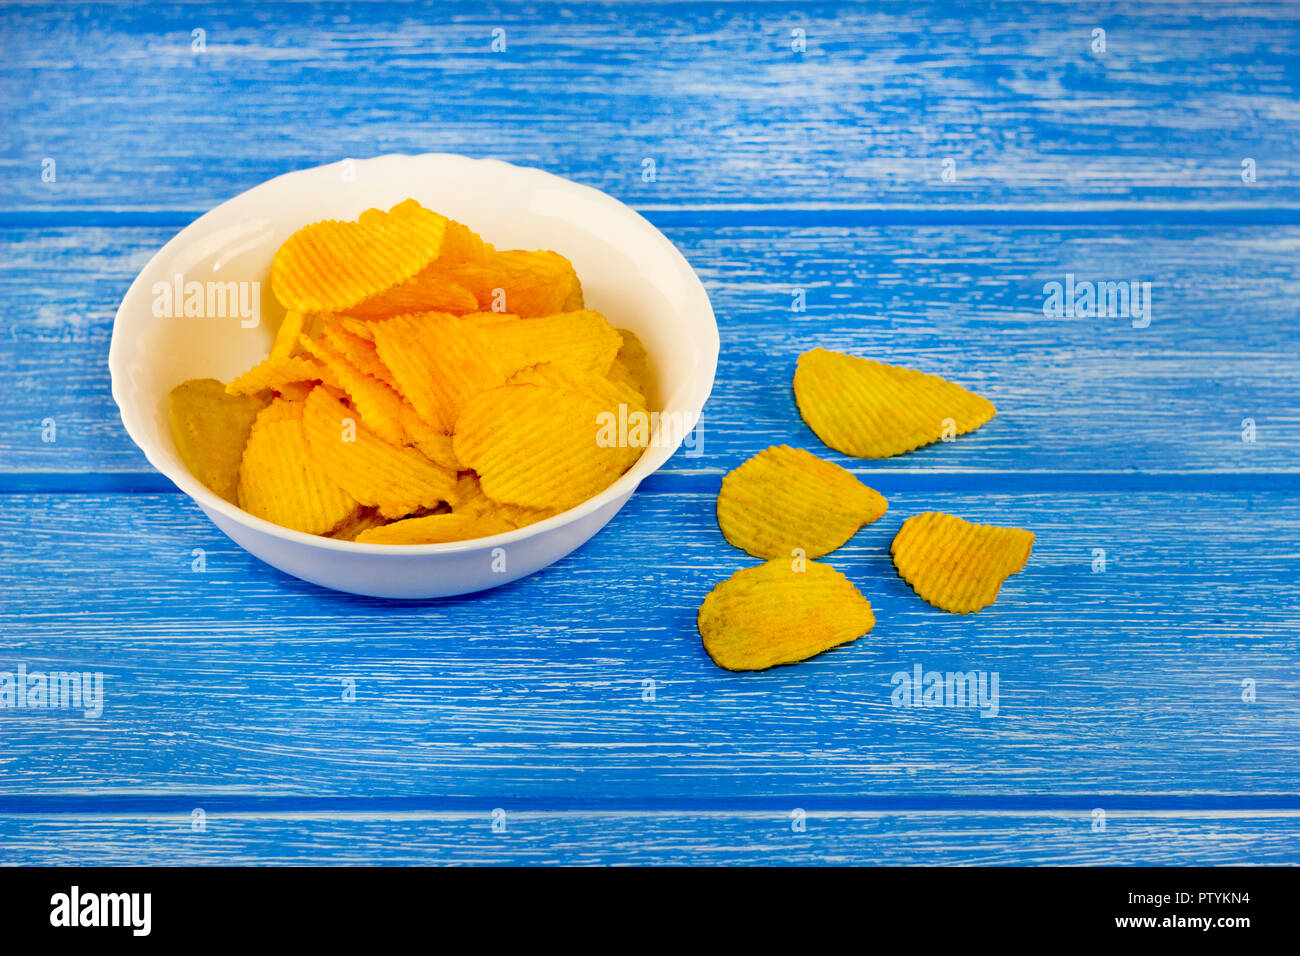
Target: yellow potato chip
[
  {"x": 280, "y": 481},
  {"x": 277, "y": 372},
  {"x": 463, "y": 244},
  {"x": 378, "y": 405},
  {"x": 331, "y": 266},
  {"x": 773, "y": 614},
  {"x": 440, "y": 362},
  {"x": 295, "y": 391},
  {"x": 358, "y": 327},
  {"x": 610, "y": 394},
  {"x": 210, "y": 429},
  {"x": 874, "y": 410},
  {"x": 519, "y": 282},
  {"x": 359, "y": 350},
  {"x": 469, "y": 499},
  {"x": 435, "y": 529},
  {"x": 538, "y": 447},
  {"x": 785, "y": 498},
  {"x": 361, "y": 519},
  {"x": 433, "y": 444},
  {"x": 396, "y": 479},
  {"x": 632, "y": 367},
  {"x": 580, "y": 340},
  {"x": 286, "y": 337},
  {"x": 955, "y": 564},
  {"x": 429, "y": 290}
]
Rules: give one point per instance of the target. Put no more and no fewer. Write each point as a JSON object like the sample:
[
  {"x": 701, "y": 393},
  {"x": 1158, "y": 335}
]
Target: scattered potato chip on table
[
  {"x": 786, "y": 498},
  {"x": 957, "y": 565},
  {"x": 773, "y": 614},
  {"x": 872, "y": 409}
]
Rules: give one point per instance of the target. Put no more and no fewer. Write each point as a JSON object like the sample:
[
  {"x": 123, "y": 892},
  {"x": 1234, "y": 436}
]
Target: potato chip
[
  {"x": 210, "y": 429},
  {"x": 435, "y": 529},
  {"x": 632, "y": 367},
  {"x": 295, "y": 391},
  {"x": 538, "y": 447},
  {"x": 378, "y": 405},
  {"x": 955, "y": 564},
  {"x": 396, "y": 479},
  {"x": 580, "y": 340},
  {"x": 518, "y": 282},
  {"x": 361, "y": 519},
  {"x": 463, "y": 244},
  {"x": 330, "y": 266},
  {"x": 286, "y": 336},
  {"x": 874, "y": 410},
  {"x": 610, "y": 394},
  {"x": 440, "y": 362},
  {"x": 358, "y": 327},
  {"x": 785, "y": 498},
  {"x": 433, "y": 444},
  {"x": 280, "y": 481},
  {"x": 774, "y": 614},
  {"x": 470, "y": 499},
  {"x": 274, "y": 373},
  {"x": 429, "y": 290},
  {"x": 358, "y": 350}
]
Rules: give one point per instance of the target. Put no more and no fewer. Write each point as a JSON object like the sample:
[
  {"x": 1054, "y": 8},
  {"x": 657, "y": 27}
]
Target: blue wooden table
[{"x": 921, "y": 172}]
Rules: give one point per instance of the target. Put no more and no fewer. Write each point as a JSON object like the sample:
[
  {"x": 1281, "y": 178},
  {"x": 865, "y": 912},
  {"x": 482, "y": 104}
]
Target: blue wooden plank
[
  {"x": 699, "y": 838},
  {"x": 1126, "y": 682},
  {"x": 1223, "y": 344},
  {"x": 714, "y": 92}
]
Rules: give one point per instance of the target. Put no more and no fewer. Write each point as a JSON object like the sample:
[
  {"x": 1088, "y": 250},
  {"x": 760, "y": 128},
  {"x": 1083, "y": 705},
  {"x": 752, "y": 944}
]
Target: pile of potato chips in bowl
[{"x": 413, "y": 376}]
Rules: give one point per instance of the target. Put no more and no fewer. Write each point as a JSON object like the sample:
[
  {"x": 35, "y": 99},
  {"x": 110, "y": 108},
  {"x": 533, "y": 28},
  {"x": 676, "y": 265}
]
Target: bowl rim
[{"x": 651, "y": 461}]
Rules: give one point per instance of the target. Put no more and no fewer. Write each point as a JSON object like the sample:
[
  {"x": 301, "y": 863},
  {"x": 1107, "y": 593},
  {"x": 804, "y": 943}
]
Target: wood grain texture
[
  {"x": 231, "y": 682},
  {"x": 774, "y": 171},
  {"x": 712, "y": 92},
  {"x": 1073, "y": 394},
  {"x": 697, "y": 838}
]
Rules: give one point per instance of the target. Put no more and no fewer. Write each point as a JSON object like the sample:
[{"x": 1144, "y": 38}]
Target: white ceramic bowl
[{"x": 629, "y": 271}]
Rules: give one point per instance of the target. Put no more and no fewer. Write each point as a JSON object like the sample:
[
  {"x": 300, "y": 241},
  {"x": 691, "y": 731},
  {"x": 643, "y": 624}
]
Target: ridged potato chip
[
  {"x": 280, "y": 481},
  {"x": 538, "y": 447},
  {"x": 429, "y": 290},
  {"x": 580, "y": 340},
  {"x": 609, "y": 393},
  {"x": 433, "y": 444},
  {"x": 330, "y": 266},
  {"x": 363, "y": 518},
  {"x": 469, "y": 499},
  {"x": 286, "y": 336},
  {"x": 378, "y": 405},
  {"x": 786, "y": 498},
  {"x": 874, "y": 410},
  {"x": 210, "y": 429},
  {"x": 440, "y": 362},
  {"x": 773, "y": 614},
  {"x": 463, "y": 244},
  {"x": 396, "y": 479},
  {"x": 957, "y": 565},
  {"x": 632, "y": 367},
  {"x": 519, "y": 282},
  {"x": 435, "y": 529},
  {"x": 358, "y": 350},
  {"x": 275, "y": 373}
]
